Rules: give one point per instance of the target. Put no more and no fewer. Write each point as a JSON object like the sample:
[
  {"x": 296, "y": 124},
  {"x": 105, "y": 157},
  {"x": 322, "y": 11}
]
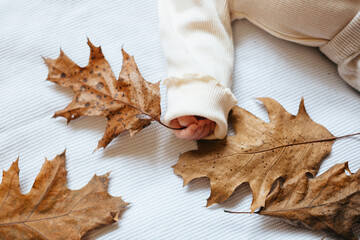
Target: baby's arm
[{"x": 197, "y": 41}]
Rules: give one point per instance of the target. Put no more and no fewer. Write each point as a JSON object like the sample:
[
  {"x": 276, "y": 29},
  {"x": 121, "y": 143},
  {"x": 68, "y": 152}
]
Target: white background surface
[{"x": 141, "y": 167}]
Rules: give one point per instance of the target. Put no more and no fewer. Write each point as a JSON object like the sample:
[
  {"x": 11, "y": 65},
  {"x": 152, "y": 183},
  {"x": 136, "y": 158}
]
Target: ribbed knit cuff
[
  {"x": 345, "y": 43},
  {"x": 344, "y": 50},
  {"x": 200, "y": 95}
]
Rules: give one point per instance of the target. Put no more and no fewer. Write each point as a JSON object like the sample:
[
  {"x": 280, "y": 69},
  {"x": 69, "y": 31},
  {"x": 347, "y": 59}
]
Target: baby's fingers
[
  {"x": 175, "y": 123},
  {"x": 187, "y": 133},
  {"x": 185, "y": 121},
  {"x": 199, "y": 132},
  {"x": 206, "y": 132},
  {"x": 212, "y": 126}
]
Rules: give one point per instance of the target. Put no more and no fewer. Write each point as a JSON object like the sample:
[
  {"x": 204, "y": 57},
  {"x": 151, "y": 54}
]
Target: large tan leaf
[
  {"x": 51, "y": 210},
  {"x": 330, "y": 202},
  {"x": 259, "y": 153},
  {"x": 98, "y": 93}
]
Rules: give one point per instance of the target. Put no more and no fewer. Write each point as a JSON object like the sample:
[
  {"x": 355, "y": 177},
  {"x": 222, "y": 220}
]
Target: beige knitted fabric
[{"x": 197, "y": 43}]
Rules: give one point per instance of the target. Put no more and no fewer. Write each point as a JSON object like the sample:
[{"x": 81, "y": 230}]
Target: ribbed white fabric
[
  {"x": 197, "y": 39},
  {"x": 160, "y": 208}
]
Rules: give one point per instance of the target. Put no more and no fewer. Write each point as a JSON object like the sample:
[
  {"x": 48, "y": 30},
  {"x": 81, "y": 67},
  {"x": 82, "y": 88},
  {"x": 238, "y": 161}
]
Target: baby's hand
[{"x": 196, "y": 127}]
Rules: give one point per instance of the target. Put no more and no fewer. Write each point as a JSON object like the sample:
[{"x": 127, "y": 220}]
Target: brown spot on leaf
[{"x": 99, "y": 86}]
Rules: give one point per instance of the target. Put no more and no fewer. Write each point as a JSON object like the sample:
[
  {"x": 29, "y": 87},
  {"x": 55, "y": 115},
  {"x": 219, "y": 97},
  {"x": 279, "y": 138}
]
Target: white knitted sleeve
[{"x": 197, "y": 41}]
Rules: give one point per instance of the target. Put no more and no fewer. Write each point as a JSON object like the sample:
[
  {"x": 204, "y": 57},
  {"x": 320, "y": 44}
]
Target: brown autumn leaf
[
  {"x": 329, "y": 202},
  {"x": 51, "y": 210},
  {"x": 258, "y": 154},
  {"x": 98, "y": 93}
]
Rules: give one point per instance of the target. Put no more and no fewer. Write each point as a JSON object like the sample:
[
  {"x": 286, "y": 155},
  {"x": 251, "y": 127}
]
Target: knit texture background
[{"x": 141, "y": 166}]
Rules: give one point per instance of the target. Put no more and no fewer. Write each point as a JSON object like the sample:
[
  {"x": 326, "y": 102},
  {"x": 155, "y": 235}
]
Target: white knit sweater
[{"x": 197, "y": 43}]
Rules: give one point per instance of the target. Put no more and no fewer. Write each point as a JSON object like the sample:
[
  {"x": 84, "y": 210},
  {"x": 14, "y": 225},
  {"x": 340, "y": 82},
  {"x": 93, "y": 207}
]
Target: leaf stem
[
  {"x": 153, "y": 118},
  {"x": 227, "y": 211},
  {"x": 168, "y": 126}
]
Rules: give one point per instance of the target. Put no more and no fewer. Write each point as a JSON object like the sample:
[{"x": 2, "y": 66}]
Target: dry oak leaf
[
  {"x": 98, "y": 93},
  {"x": 329, "y": 202},
  {"x": 258, "y": 154},
  {"x": 51, "y": 210}
]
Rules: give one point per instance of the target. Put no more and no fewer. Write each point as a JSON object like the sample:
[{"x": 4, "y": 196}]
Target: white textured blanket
[{"x": 141, "y": 166}]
